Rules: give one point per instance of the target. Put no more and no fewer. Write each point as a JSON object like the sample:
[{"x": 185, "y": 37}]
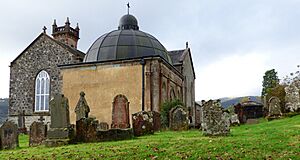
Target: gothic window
[
  {"x": 42, "y": 88},
  {"x": 172, "y": 94},
  {"x": 179, "y": 94},
  {"x": 164, "y": 92}
]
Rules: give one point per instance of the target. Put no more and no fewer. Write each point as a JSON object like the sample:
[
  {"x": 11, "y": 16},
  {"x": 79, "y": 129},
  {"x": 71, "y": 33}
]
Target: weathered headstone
[
  {"x": 120, "y": 112},
  {"x": 82, "y": 109},
  {"x": 9, "y": 136},
  {"x": 292, "y": 97},
  {"x": 156, "y": 121},
  {"x": 178, "y": 119},
  {"x": 103, "y": 126},
  {"x": 274, "y": 107},
  {"x": 234, "y": 120},
  {"x": 38, "y": 133},
  {"x": 142, "y": 123},
  {"x": 86, "y": 130},
  {"x": 114, "y": 134},
  {"x": 59, "y": 132},
  {"x": 21, "y": 123},
  {"x": 215, "y": 121}
]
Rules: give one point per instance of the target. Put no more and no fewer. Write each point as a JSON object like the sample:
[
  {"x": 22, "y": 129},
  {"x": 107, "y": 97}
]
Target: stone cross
[
  {"x": 82, "y": 109},
  {"x": 44, "y": 29},
  {"x": 41, "y": 119}
]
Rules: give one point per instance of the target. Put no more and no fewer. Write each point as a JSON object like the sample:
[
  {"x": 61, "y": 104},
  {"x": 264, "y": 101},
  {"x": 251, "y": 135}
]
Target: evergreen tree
[{"x": 270, "y": 81}]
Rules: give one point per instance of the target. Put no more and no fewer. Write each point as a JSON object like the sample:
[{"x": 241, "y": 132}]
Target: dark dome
[
  {"x": 126, "y": 43},
  {"x": 128, "y": 22}
]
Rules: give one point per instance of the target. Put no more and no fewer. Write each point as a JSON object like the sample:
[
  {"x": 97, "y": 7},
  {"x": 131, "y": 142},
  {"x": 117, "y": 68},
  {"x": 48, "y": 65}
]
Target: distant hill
[
  {"x": 226, "y": 102},
  {"x": 3, "y": 109},
  {"x": 229, "y": 101}
]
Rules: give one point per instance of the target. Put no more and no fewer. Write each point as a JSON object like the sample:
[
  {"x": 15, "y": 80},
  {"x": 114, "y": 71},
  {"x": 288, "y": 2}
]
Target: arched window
[
  {"x": 172, "y": 94},
  {"x": 42, "y": 88},
  {"x": 164, "y": 93},
  {"x": 179, "y": 94}
]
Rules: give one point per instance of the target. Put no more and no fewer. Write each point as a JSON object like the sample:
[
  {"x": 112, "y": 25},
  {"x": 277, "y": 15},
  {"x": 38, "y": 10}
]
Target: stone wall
[
  {"x": 157, "y": 74},
  {"x": 30, "y": 119},
  {"x": 121, "y": 77},
  {"x": 292, "y": 97},
  {"x": 101, "y": 83},
  {"x": 189, "y": 86},
  {"x": 43, "y": 54},
  {"x": 172, "y": 81}
]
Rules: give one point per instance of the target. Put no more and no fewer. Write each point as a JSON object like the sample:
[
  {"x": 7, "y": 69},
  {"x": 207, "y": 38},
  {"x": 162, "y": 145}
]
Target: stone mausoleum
[{"x": 123, "y": 72}]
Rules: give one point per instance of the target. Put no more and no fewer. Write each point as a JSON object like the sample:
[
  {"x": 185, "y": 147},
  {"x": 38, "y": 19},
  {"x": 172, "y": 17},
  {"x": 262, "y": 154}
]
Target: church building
[{"x": 123, "y": 72}]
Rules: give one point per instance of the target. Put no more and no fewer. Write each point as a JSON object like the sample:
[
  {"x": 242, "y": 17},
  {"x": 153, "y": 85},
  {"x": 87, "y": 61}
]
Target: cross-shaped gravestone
[
  {"x": 41, "y": 119},
  {"x": 44, "y": 29}
]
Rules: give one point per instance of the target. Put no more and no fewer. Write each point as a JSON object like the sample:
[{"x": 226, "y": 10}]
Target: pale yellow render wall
[{"x": 101, "y": 84}]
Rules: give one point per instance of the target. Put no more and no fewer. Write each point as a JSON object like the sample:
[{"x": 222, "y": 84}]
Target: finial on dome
[{"x": 128, "y": 6}]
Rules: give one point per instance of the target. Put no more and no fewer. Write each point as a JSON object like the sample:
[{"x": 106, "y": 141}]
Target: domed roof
[
  {"x": 128, "y": 22},
  {"x": 125, "y": 43}
]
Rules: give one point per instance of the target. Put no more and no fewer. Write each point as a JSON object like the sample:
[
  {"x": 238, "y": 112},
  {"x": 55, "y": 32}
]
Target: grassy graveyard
[{"x": 277, "y": 139}]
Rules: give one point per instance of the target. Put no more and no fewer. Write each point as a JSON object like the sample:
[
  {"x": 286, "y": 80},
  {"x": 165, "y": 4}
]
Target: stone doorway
[{"x": 120, "y": 112}]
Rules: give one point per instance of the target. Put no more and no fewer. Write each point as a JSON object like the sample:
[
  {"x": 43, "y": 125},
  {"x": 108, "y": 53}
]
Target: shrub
[{"x": 165, "y": 109}]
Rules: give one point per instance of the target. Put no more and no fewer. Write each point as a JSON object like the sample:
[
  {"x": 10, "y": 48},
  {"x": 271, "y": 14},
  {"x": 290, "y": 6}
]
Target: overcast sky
[{"x": 233, "y": 42}]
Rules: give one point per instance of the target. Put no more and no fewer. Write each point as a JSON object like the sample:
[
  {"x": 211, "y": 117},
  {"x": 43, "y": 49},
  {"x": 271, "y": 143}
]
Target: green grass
[{"x": 277, "y": 139}]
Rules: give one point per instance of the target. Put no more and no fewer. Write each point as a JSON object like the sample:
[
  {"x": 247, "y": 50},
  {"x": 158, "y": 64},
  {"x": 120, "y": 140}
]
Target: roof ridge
[{"x": 177, "y": 50}]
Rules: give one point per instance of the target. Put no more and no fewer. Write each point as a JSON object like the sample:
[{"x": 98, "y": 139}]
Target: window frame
[{"x": 42, "y": 92}]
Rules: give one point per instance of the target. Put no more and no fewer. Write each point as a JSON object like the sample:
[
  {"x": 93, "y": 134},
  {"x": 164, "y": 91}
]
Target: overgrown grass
[{"x": 277, "y": 139}]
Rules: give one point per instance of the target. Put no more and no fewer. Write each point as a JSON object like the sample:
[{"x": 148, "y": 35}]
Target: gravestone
[
  {"x": 156, "y": 121},
  {"x": 274, "y": 107},
  {"x": 142, "y": 123},
  {"x": 114, "y": 134},
  {"x": 82, "y": 109},
  {"x": 9, "y": 138},
  {"x": 178, "y": 119},
  {"x": 60, "y": 131},
  {"x": 103, "y": 126},
  {"x": 86, "y": 130},
  {"x": 21, "y": 123},
  {"x": 292, "y": 97},
  {"x": 120, "y": 112},
  {"x": 234, "y": 120},
  {"x": 215, "y": 121},
  {"x": 38, "y": 133}
]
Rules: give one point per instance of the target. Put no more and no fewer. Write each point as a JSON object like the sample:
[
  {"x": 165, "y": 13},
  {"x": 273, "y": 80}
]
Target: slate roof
[
  {"x": 251, "y": 103},
  {"x": 177, "y": 56},
  {"x": 70, "y": 49},
  {"x": 125, "y": 44}
]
